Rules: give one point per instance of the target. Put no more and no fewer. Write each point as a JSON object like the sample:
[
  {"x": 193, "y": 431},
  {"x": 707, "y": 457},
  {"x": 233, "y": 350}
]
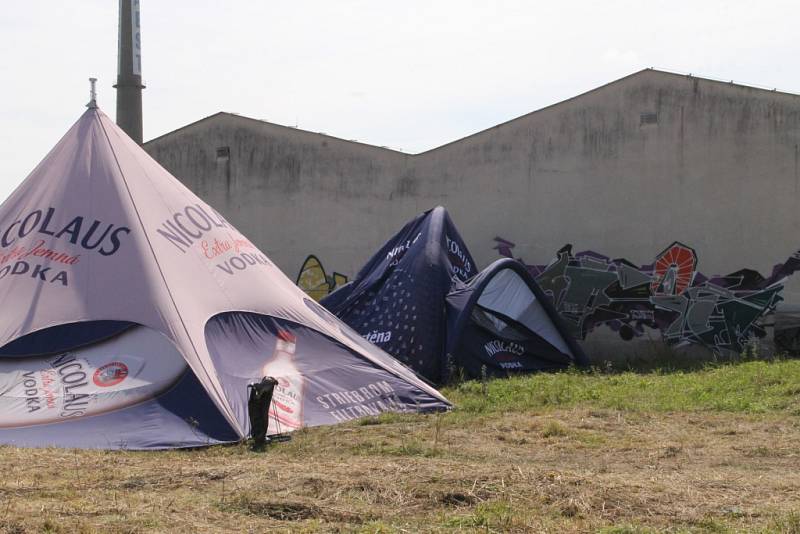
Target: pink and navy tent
[{"x": 135, "y": 316}]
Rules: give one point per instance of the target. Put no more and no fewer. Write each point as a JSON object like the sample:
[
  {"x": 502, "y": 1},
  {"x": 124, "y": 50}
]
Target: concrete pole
[{"x": 129, "y": 71}]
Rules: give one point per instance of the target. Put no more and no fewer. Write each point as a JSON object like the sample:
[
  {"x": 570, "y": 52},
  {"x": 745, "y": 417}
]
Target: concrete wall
[
  {"x": 292, "y": 192},
  {"x": 717, "y": 171}
]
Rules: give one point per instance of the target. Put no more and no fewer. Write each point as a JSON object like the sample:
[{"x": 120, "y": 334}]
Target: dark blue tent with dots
[
  {"x": 421, "y": 299},
  {"x": 397, "y": 300}
]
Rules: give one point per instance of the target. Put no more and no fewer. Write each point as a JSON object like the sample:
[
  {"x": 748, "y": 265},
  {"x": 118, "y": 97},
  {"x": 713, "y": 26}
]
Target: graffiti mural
[
  {"x": 722, "y": 312},
  {"x": 313, "y": 280}
]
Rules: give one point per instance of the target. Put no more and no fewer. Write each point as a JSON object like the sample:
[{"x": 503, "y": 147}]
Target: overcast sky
[{"x": 406, "y": 74}]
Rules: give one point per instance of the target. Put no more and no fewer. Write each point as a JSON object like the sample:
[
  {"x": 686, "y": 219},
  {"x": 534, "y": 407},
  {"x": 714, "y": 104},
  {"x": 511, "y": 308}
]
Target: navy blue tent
[
  {"x": 397, "y": 300},
  {"x": 421, "y": 300},
  {"x": 500, "y": 322}
]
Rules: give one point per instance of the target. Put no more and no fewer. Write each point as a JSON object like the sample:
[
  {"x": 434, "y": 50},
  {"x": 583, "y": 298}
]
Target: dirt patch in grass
[{"x": 248, "y": 504}]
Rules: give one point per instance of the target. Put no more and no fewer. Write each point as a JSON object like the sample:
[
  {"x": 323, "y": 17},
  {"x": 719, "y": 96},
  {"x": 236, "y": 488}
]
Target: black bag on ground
[{"x": 258, "y": 404}]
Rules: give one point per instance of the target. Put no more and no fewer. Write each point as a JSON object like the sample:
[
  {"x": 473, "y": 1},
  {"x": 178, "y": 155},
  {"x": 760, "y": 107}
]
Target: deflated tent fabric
[
  {"x": 135, "y": 315},
  {"x": 500, "y": 322},
  {"x": 420, "y": 299},
  {"x": 397, "y": 299}
]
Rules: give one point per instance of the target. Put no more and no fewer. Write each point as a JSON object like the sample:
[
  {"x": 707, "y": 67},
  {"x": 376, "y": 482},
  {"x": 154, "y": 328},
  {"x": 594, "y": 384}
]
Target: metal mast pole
[{"x": 129, "y": 70}]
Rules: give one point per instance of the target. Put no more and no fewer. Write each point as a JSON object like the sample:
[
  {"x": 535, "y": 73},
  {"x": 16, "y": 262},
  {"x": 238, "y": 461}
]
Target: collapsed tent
[
  {"x": 397, "y": 299},
  {"x": 501, "y": 322},
  {"x": 135, "y": 316},
  {"x": 419, "y": 298}
]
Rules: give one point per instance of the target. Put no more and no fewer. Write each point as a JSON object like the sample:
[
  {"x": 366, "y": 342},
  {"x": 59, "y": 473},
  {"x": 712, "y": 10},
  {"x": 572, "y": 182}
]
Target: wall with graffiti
[
  {"x": 722, "y": 313},
  {"x": 315, "y": 282}
]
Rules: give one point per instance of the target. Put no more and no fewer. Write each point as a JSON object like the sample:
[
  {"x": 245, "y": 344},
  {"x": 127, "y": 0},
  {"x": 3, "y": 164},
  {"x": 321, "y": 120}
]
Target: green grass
[
  {"x": 554, "y": 429},
  {"x": 493, "y": 516},
  {"x": 750, "y": 387},
  {"x": 625, "y": 530}
]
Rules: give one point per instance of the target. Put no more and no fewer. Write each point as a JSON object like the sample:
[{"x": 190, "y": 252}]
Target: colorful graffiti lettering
[
  {"x": 313, "y": 280},
  {"x": 722, "y": 313}
]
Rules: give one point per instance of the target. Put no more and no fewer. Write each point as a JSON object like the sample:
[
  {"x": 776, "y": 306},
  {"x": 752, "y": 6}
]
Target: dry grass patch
[
  {"x": 659, "y": 472},
  {"x": 581, "y": 467}
]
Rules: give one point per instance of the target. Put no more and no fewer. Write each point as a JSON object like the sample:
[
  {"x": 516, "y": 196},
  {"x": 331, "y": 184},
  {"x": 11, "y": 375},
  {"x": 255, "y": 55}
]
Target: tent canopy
[
  {"x": 421, "y": 299},
  {"x": 397, "y": 299},
  {"x": 500, "y": 322},
  {"x": 136, "y": 315}
]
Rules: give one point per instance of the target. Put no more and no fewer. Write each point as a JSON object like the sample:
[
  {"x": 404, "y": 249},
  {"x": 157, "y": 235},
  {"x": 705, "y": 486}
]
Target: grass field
[{"x": 709, "y": 450}]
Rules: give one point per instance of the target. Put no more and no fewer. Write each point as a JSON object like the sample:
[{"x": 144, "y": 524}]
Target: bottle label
[
  {"x": 110, "y": 374},
  {"x": 287, "y": 403},
  {"x": 286, "y": 410}
]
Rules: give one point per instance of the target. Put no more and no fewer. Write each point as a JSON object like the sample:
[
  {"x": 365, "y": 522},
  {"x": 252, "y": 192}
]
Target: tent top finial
[{"x": 92, "y": 94}]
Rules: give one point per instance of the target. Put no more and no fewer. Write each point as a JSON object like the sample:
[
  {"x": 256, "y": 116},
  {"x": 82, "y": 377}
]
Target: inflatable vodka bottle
[
  {"x": 286, "y": 410},
  {"x": 106, "y": 376}
]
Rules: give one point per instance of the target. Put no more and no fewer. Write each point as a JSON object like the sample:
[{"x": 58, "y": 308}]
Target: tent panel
[
  {"x": 495, "y": 346},
  {"x": 404, "y": 317},
  {"x": 181, "y": 417},
  {"x": 320, "y": 380},
  {"x": 508, "y": 294},
  {"x": 127, "y": 369},
  {"x": 397, "y": 299},
  {"x": 131, "y": 391},
  {"x": 188, "y": 236}
]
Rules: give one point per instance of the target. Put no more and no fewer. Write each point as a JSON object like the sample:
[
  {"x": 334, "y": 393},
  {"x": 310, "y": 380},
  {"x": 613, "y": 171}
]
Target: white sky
[{"x": 410, "y": 74}]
